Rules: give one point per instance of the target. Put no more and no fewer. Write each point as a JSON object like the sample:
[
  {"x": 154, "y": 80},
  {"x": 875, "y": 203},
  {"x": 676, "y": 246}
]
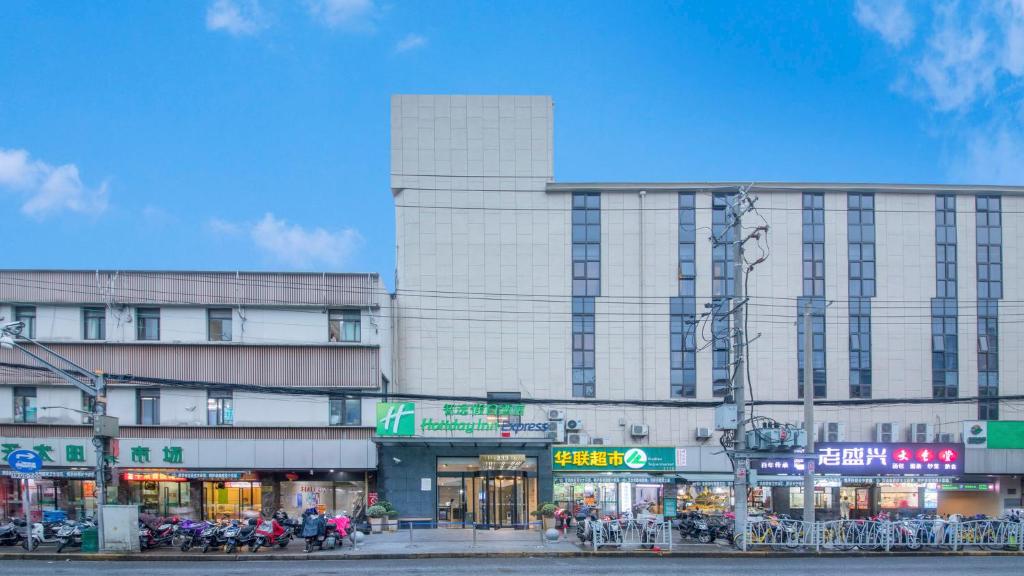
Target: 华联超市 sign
[{"x": 613, "y": 458}]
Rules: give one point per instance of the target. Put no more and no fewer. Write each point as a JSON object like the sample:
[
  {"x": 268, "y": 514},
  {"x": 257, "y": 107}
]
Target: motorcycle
[
  {"x": 162, "y": 535},
  {"x": 268, "y": 533},
  {"x": 191, "y": 533},
  {"x": 213, "y": 537},
  {"x": 238, "y": 535},
  {"x": 13, "y": 534},
  {"x": 70, "y": 534},
  {"x": 314, "y": 530}
]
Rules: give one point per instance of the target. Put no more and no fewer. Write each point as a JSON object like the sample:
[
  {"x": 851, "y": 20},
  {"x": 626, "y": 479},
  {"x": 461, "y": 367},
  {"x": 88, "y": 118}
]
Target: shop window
[
  {"x": 147, "y": 406},
  {"x": 899, "y": 496},
  {"x": 94, "y": 323},
  {"x": 220, "y": 408},
  {"x": 344, "y": 326},
  {"x": 24, "y": 404},
  {"x": 218, "y": 324},
  {"x": 26, "y": 314},
  {"x": 233, "y": 499},
  {"x": 147, "y": 323},
  {"x": 822, "y": 498},
  {"x": 346, "y": 411}
]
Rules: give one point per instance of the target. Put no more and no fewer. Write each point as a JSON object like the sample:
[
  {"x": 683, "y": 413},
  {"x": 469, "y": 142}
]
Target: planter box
[
  {"x": 376, "y": 524},
  {"x": 549, "y": 523}
]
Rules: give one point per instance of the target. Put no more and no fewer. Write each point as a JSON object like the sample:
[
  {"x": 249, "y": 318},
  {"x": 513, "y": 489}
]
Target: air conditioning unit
[
  {"x": 703, "y": 433},
  {"x": 833, "y": 432},
  {"x": 945, "y": 437},
  {"x": 573, "y": 425},
  {"x": 576, "y": 438},
  {"x": 554, "y": 435},
  {"x": 597, "y": 441},
  {"x": 887, "y": 432},
  {"x": 638, "y": 430},
  {"x": 920, "y": 432},
  {"x": 556, "y": 414}
]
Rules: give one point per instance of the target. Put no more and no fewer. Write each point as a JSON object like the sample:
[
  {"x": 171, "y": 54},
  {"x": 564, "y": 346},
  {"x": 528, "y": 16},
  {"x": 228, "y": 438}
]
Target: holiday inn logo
[{"x": 396, "y": 418}]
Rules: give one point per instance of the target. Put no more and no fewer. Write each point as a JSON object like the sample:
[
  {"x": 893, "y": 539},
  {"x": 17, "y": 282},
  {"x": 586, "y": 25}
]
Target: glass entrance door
[{"x": 507, "y": 499}]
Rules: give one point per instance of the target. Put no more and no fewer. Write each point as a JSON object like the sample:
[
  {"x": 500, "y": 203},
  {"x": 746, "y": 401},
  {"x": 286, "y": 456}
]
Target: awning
[
  {"x": 598, "y": 478},
  {"x": 706, "y": 479},
  {"x": 83, "y": 474}
]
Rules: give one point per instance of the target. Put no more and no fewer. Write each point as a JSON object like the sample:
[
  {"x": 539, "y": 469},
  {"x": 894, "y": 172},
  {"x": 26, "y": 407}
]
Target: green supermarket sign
[{"x": 613, "y": 458}]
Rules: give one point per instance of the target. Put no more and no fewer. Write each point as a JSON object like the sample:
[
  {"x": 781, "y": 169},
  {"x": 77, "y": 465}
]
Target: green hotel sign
[
  {"x": 396, "y": 418},
  {"x": 613, "y": 458}
]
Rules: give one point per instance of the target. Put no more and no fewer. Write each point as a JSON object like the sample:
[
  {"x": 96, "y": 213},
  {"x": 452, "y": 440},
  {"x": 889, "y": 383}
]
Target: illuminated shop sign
[
  {"x": 872, "y": 458},
  {"x": 613, "y": 458},
  {"x": 982, "y": 487}
]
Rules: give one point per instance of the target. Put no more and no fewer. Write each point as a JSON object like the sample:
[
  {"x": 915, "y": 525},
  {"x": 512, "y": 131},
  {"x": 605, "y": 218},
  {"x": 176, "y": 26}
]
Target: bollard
[
  {"x": 541, "y": 530},
  {"x": 474, "y": 534},
  {"x": 410, "y": 531}
]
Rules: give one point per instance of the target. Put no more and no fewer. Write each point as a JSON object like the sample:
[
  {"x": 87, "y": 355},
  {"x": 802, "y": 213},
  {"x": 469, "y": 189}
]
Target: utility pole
[
  {"x": 808, "y": 385},
  {"x": 741, "y": 462},
  {"x": 93, "y": 384}
]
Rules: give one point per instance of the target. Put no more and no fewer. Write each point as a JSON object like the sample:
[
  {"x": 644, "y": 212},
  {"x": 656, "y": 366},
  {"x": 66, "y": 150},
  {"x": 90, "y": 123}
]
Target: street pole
[
  {"x": 25, "y": 503},
  {"x": 809, "y": 411},
  {"x": 739, "y": 385},
  {"x": 100, "y": 409}
]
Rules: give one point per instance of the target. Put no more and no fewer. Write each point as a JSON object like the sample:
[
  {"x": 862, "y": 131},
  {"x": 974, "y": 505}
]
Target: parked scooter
[
  {"x": 162, "y": 535},
  {"x": 314, "y": 530},
  {"x": 213, "y": 538},
  {"x": 12, "y": 533},
  {"x": 239, "y": 534},
  {"x": 268, "y": 533},
  {"x": 70, "y": 534},
  {"x": 191, "y": 533}
]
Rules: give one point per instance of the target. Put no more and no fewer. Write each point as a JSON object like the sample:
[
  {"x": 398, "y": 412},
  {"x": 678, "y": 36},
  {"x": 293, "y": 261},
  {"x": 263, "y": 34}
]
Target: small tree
[
  {"x": 546, "y": 510},
  {"x": 377, "y": 511}
]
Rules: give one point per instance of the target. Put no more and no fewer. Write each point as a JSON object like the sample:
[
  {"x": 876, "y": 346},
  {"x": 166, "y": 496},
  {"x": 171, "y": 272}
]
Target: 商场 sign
[{"x": 870, "y": 458}]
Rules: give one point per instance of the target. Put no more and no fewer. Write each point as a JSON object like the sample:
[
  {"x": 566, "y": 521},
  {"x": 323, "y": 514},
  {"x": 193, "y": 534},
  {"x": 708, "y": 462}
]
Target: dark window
[
  {"x": 860, "y": 224},
  {"x": 26, "y": 314},
  {"x": 25, "y": 404},
  {"x": 94, "y": 324},
  {"x": 147, "y": 323},
  {"x": 945, "y": 356},
  {"x": 220, "y": 408},
  {"x": 344, "y": 326},
  {"x": 989, "y": 230},
  {"x": 218, "y": 322},
  {"x": 723, "y": 287},
  {"x": 506, "y": 398},
  {"x": 721, "y": 372},
  {"x": 586, "y": 285},
  {"x": 147, "y": 407},
  {"x": 683, "y": 310},
  {"x": 345, "y": 411},
  {"x": 813, "y": 215}
]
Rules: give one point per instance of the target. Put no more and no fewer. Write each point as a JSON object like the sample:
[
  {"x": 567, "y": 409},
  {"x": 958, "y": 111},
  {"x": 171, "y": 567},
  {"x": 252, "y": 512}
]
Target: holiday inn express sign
[
  {"x": 613, "y": 458},
  {"x": 399, "y": 419}
]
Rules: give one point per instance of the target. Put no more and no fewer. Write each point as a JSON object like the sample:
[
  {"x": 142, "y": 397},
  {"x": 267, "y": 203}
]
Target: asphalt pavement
[{"x": 903, "y": 566}]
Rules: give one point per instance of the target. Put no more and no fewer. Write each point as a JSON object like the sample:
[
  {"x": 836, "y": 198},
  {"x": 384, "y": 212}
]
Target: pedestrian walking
[{"x": 844, "y": 508}]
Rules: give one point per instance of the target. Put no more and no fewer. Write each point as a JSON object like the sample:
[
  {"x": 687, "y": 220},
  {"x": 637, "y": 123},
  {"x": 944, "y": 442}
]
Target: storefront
[
  {"x": 460, "y": 482},
  {"x": 900, "y": 479},
  {"x": 615, "y": 480},
  {"x": 707, "y": 493},
  {"x": 70, "y": 491}
]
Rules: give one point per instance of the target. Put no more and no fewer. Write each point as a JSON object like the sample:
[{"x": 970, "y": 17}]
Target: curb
[{"x": 108, "y": 557}]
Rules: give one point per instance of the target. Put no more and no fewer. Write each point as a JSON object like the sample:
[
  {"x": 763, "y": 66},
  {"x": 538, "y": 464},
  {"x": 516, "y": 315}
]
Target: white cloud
[
  {"x": 345, "y": 14},
  {"x": 958, "y": 64},
  {"x": 994, "y": 156},
  {"x": 236, "y": 17},
  {"x": 49, "y": 188},
  {"x": 292, "y": 244},
  {"x": 410, "y": 42},
  {"x": 889, "y": 18}
]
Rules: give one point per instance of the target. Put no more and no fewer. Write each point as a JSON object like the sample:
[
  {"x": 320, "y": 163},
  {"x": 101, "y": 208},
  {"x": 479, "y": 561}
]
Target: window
[
  {"x": 945, "y": 357},
  {"x": 220, "y": 410},
  {"x": 218, "y": 324},
  {"x": 147, "y": 407},
  {"x": 683, "y": 310},
  {"x": 24, "y": 404},
  {"x": 988, "y": 216},
  {"x": 26, "y": 314},
  {"x": 723, "y": 284},
  {"x": 147, "y": 323},
  {"x": 813, "y": 215},
  {"x": 94, "y": 323},
  {"x": 586, "y": 285},
  {"x": 345, "y": 411},
  {"x": 506, "y": 398},
  {"x": 860, "y": 225},
  {"x": 344, "y": 326},
  {"x": 721, "y": 373}
]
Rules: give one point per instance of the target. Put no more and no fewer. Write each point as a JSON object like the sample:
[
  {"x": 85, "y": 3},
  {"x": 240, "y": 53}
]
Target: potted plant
[
  {"x": 546, "y": 513},
  {"x": 390, "y": 512},
  {"x": 377, "y": 513}
]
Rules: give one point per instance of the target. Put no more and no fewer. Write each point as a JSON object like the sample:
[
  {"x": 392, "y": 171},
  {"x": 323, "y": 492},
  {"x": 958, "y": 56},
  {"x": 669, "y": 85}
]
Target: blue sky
[{"x": 245, "y": 134}]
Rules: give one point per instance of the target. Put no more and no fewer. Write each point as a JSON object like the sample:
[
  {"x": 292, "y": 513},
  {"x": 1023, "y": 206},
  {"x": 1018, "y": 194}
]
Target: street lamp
[{"x": 93, "y": 384}]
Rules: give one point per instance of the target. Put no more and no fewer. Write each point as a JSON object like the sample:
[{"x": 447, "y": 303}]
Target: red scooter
[{"x": 268, "y": 533}]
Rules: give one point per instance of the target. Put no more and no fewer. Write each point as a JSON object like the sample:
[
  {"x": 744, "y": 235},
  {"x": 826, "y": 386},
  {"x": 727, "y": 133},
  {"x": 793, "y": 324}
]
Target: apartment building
[
  {"x": 207, "y": 448},
  {"x": 553, "y": 297}
]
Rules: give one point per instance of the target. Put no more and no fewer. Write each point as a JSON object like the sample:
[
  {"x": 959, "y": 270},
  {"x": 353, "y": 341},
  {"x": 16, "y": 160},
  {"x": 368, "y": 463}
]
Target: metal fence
[
  {"x": 843, "y": 535},
  {"x": 643, "y": 533}
]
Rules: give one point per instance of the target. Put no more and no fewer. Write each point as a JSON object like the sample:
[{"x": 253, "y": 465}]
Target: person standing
[{"x": 844, "y": 508}]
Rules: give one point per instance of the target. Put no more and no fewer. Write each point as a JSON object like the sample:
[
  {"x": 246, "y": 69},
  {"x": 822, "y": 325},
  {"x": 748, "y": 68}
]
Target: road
[{"x": 903, "y": 566}]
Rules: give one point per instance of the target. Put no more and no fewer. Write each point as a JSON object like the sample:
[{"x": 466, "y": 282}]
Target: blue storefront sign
[{"x": 860, "y": 458}]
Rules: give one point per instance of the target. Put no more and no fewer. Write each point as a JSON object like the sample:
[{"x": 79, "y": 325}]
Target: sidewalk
[{"x": 451, "y": 543}]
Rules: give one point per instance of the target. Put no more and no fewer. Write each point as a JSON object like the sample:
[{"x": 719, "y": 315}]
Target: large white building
[
  {"x": 201, "y": 450},
  {"x": 512, "y": 284}
]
